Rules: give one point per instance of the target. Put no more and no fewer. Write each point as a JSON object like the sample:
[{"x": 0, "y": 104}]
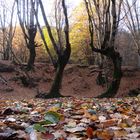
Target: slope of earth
[{"x": 79, "y": 81}]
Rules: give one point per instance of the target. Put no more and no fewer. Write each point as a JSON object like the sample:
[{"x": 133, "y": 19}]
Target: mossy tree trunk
[
  {"x": 106, "y": 29},
  {"x": 32, "y": 55},
  {"x": 117, "y": 75},
  {"x": 62, "y": 50},
  {"x": 56, "y": 85},
  {"x": 31, "y": 46}
]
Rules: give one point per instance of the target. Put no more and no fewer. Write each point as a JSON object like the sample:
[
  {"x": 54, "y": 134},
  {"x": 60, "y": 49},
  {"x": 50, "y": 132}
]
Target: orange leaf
[
  {"x": 108, "y": 123},
  {"x": 105, "y": 135}
]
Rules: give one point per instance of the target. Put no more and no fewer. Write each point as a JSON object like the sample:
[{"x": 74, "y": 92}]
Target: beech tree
[
  {"x": 61, "y": 45},
  {"x": 132, "y": 20},
  {"x": 29, "y": 27},
  {"x": 104, "y": 17},
  {"x": 7, "y": 29}
]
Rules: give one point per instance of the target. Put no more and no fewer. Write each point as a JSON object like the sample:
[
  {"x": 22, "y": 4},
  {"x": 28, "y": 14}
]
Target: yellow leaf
[
  {"x": 120, "y": 133},
  {"x": 54, "y": 108},
  {"x": 122, "y": 125}
]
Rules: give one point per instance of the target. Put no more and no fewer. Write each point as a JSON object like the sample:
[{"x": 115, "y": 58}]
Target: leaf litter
[{"x": 70, "y": 119}]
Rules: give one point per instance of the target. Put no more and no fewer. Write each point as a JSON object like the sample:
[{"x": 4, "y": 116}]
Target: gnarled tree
[
  {"x": 104, "y": 16},
  {"x": 61, "y": 45},
  {"x": 29, "y": 27}
]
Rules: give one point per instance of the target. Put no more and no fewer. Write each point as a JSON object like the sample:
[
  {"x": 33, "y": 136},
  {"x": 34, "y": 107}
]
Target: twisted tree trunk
[
  {"x": 117, "y": 74},
  {"x": 31, "y": 46},
  {"x": 56, "y": 86},
  {"x": 32, "y": 55}
]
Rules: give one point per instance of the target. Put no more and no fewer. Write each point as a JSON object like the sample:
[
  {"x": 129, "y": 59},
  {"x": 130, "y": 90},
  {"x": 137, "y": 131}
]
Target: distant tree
[
  {"x": 104, "y": 17},
  {"x": 19, "y": 46},
  {"x": 49, "y": 43},
  {"x": 61, "y": 46},
  {"x": 7, "y": 29},
  {"x": 132, "y": 20},
  {"x": 29, "y": 27},
  {"x": 79, "y": 36},
  {"x": 126, "y": 47}
]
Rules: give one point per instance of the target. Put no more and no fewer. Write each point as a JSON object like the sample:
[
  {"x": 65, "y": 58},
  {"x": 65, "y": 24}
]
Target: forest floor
[
  {"x": 80, "y": 117},
  {"x": 79, "y": 81}
]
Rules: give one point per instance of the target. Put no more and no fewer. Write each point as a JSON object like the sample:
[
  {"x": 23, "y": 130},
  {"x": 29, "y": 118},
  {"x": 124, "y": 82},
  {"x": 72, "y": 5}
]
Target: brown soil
[{"x": 78, "y": 81}]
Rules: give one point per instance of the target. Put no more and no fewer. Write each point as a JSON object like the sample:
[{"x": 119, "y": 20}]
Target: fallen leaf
[
  {"x": 39, "y": 128},
  {"x": 120, "y": 133},
  {"x": 74, "y": 129},
  {"x": 109, "y": 123},
  {"x": 52, "y": 117},
  {"x": 89, "y": 132},
  {"x": 104, "y": 135},
  {"x": 47, "y": 136}
]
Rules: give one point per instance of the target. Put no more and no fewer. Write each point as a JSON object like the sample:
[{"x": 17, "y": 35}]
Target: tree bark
[
  {"x": 31, "y": 46},
  {"x": 63, "y": 54},
  {"x": 6, "y": 53},
  {"x": 117, "y": 74},
  {"x": 56, "y": 86},
  {"x": 32, "y": 55}
]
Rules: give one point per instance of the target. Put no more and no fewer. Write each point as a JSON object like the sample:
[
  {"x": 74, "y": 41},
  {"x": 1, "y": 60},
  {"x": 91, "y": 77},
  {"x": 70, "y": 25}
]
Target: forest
[{"x": 69, "y": 70}]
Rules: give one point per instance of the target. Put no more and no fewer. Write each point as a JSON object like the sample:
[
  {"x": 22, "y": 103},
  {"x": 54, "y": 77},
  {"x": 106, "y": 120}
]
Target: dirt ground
[{"x": 78, "y": 81}]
